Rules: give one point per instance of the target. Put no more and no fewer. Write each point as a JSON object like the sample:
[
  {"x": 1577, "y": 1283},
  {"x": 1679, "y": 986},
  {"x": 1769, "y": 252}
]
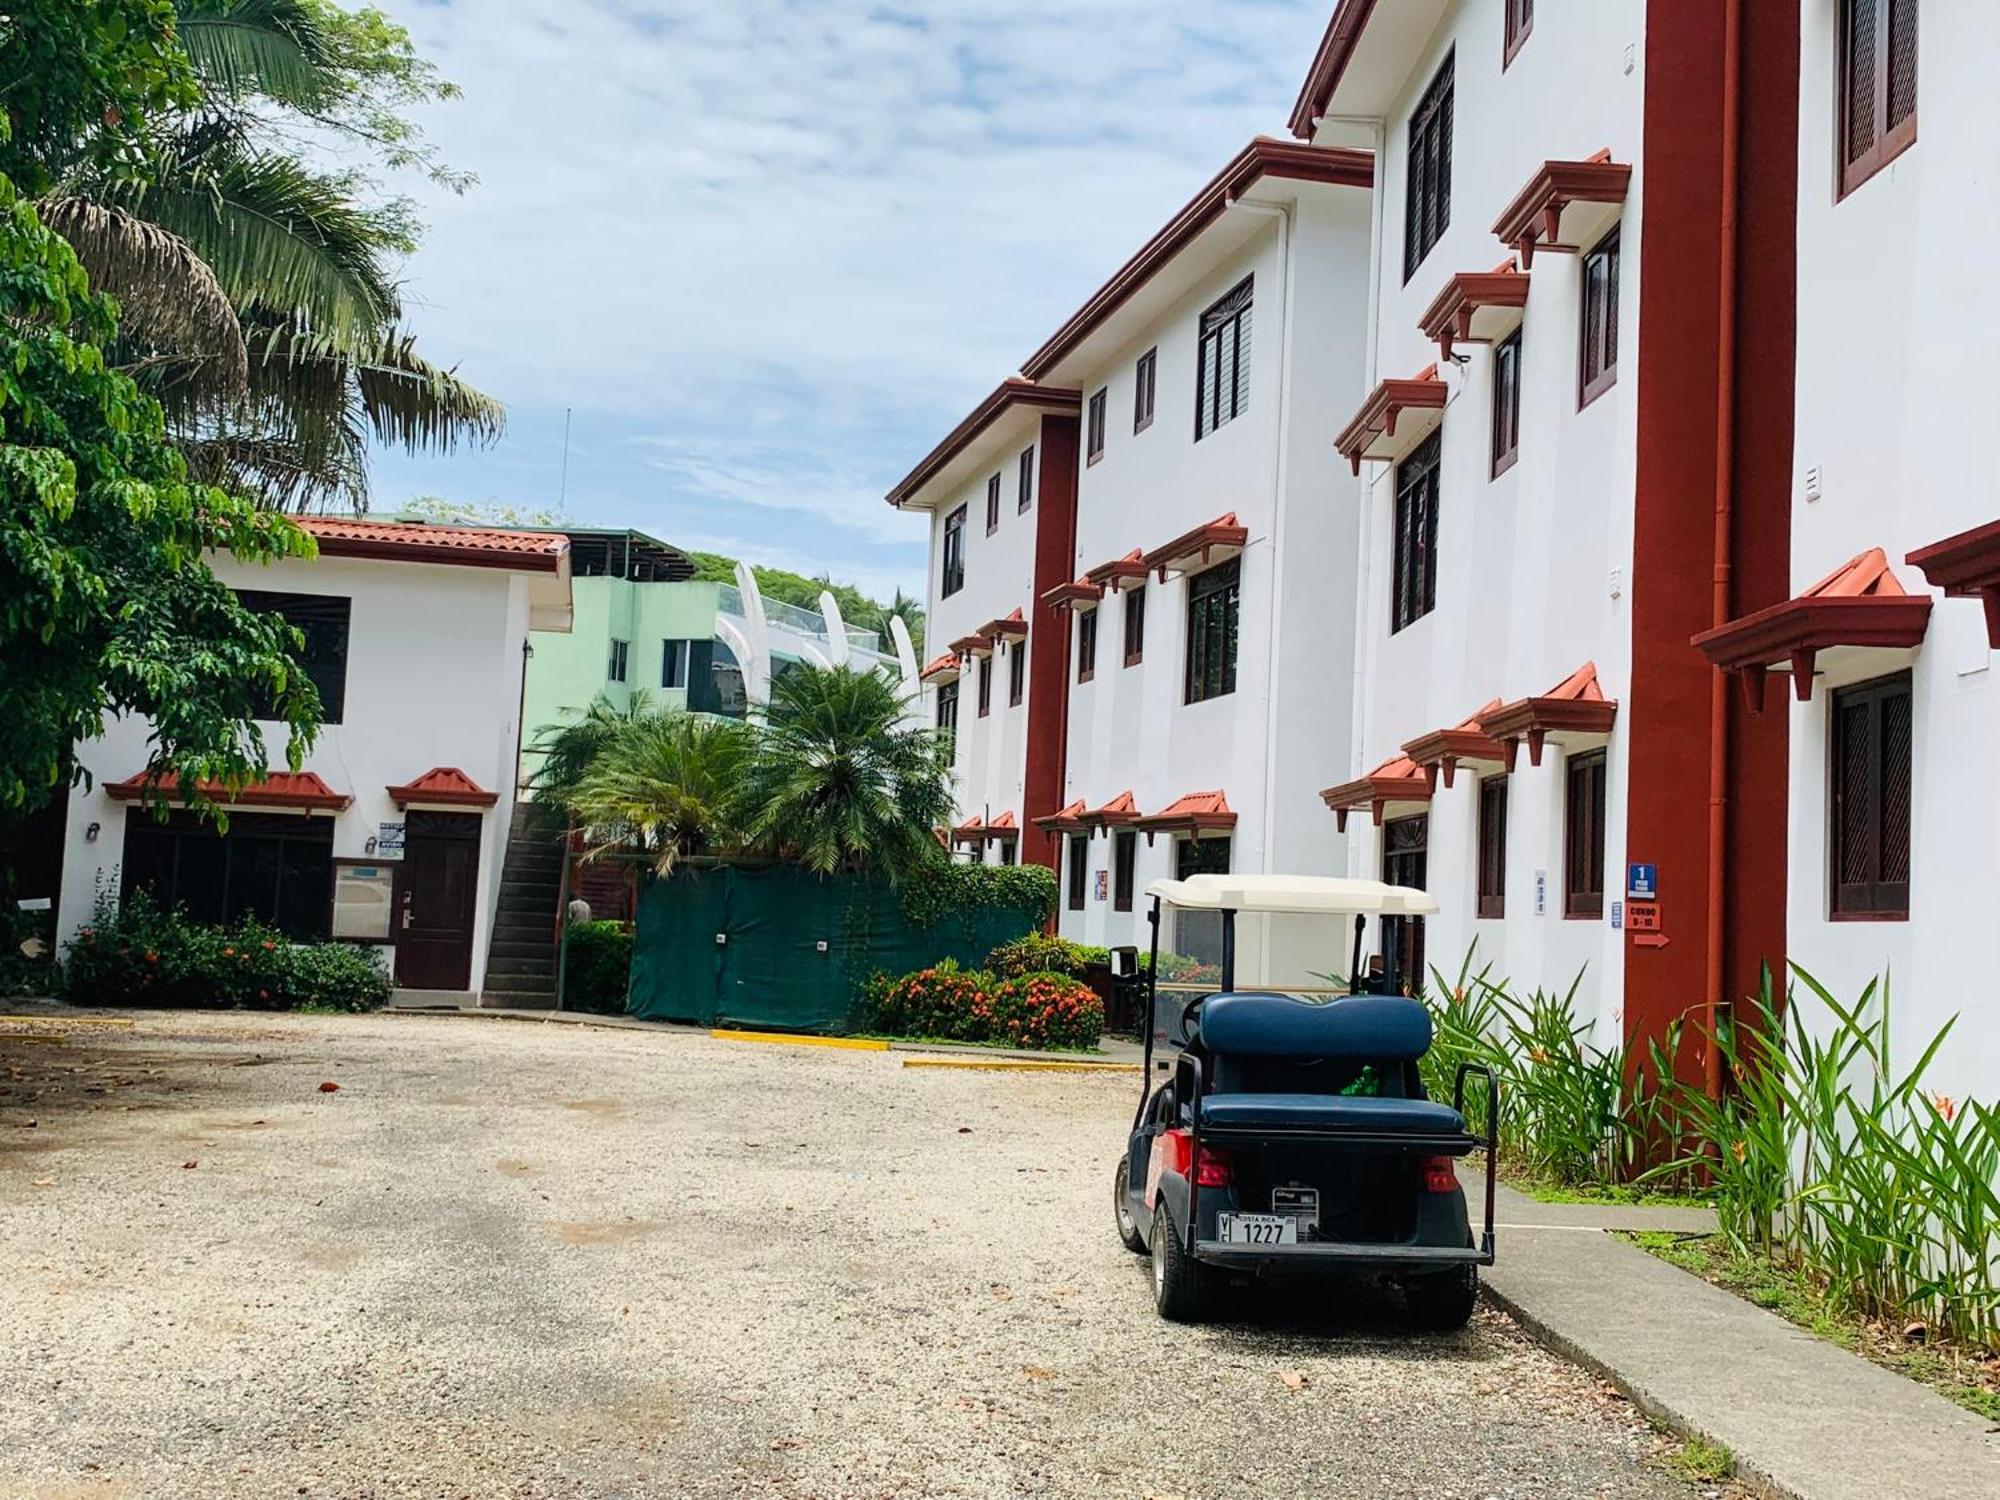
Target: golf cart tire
[
  {"x": 1180, "y": 1282},
  {"x": 1121, "y": 1208},
  {"x": 1443, "y": 1301}
]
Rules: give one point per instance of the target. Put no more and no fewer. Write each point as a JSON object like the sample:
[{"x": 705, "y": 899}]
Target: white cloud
[{"x": 791, "y": 241}]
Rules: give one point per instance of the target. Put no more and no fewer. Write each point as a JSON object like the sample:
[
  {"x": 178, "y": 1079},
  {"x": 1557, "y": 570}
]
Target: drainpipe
[
  {"x": 1725, "y": 497},
  {"x": 1364, "y": 493}
]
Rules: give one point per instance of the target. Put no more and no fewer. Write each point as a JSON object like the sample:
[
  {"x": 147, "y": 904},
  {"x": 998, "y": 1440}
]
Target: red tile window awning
[
  {"x": 1861, "y": 604},
  {"x": 1211, "y": 542},
  {"x": 1574, "y": 713},
  {"x": 1477, "y": 307},
  {"x": 446, "y": 786},
  {"x": 1013, "y": 626},
  {"x": 1068, "y": 820},
  {"x": 1196, "y": 813},
  {"x": 298, "y": 790},
  {"x": 1397, "y": 785},
  {"x": 1079, "y": 593},
  {"x": 971, "y": 831},
  {"x": 1397, "y": 415},
  {"x": 1462, "y": 744},
  {"x": 1565, "y": 206},
  {"x": 1116, "y": 813},
  {"x": 1111, "y": 576},
  {"x": 1966, "y": 566},
  {"x": 942, "y": 670},
  {"x": 972, "y": 645},
  {"x": 994, "y": 830}
]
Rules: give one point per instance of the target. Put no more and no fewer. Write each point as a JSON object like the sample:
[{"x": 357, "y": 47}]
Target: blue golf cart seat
[{"x": 1278, "y": 1062}]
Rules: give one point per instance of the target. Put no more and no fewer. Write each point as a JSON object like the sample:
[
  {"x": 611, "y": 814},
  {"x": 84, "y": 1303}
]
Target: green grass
[
  {"x": 1624, "y": 1194},
  {"x": 1962, "y": 1375},
  {"x": 1700, "y": 1461}
]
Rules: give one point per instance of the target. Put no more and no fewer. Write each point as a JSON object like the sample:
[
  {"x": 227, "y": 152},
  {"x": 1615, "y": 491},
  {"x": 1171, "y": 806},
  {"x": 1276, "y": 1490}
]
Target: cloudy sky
[{"x": 769, "y": 251}]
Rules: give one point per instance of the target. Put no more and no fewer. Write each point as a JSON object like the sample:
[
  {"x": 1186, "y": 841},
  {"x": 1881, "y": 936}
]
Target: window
[
  {"x": 1506, "y": 403},
  {"x": 1008, "y": 851},
  {"x": 1094, "y": 447},
  {"x": 985, "y": 685},
  {"x": 673, "y": 664},
  {"x": 1124, "y": 865},
  {"x": 1869, "y": 809},
  {"x": 993, "y": 505},
  {"x": 274, "y": 868},
  {"x": 1492, "y": 846},
  {"x": 1406, "y": 862},
  {"x": 1520, "y": 20},
  {"x": 1079, "y": 869},
  {"x": 1198, "y": 934},
  {"x": 1145, "y": 377},
  {"x": 954, "y": 554},
  {"x": 322, "y": 619},
  {"x": 621, "y": 657},
  {"x": 1877, "y": 86},
  {"x": 1135, "y": 627},
  {"x": 1583, "y": 836},
  {"x": 1598, "y": 368},
  {"x": 1213, "y": 598},
  {"x": 947, "y": 721},
  {"x": 1414, "y": 565},
  {"x": 1222, "y": 362},
  {"x": 1427, "y": 193},
  {"x": 1025, "y": 481},
  {"x": 1017, "y": 672},
  {"x": 1086, "y": 645}
]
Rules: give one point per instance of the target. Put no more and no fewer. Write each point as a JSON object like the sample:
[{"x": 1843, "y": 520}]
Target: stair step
[
  {"x": 511, "y": 1000},
  {"x": 527, "y": 984},
  {"x": 507, "y": 945}
]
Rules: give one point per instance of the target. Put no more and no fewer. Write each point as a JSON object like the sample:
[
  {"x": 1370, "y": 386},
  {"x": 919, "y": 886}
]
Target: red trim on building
[
  {"x": 1047, "y": 759},
  {"x": 1116, "y": 813},
  {"x": 972, "y": 645},
  {"x": 1966, "y": 566},
  {"x": 1193, "y": 813},
  {"x": 1336, "y": 48},
  {"x": 1126, "y": 569},
  {"x": 1535, "y": 219},
  {"x": 944, "y": 669},
  {"x": 1860, "y": 603},
  {"x": 1213, "y": 541},
  {"x": 1454, "y": 318},
  {"x": 446, "y": 785},
  {"x": 1398, "y": 781},
  {"x": 303, "y": 790},
  {"x": 1465, "y": 743},
  {"x": 1077, "y": 594},
  {"x": 1572, "y": 713},
  {"x": 1068, "y": 820},
  {"x": 1263, "y": 157},
  {"x": 1012, "y": 626},
  {"x": 458, "y": 546},
  {"x": 1376, "y": 422},
  {"x": 1011, "y": 392}
]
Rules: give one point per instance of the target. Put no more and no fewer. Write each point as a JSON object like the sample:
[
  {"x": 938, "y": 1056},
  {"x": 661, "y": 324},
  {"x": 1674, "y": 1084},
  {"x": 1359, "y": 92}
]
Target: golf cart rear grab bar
[{"x": 1492, "y": 1142}]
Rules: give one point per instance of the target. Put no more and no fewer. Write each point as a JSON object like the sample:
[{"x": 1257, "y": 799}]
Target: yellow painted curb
[
  {"x": 1019, "y": 1065},
  {"x": 852, "y": 1043},
  {"x": 67, "y": 1020}
]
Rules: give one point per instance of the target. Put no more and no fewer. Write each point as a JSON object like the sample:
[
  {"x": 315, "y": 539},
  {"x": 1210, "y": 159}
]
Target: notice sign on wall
[
  {"x": 1642, "y": 916},
  {"x": 1642, "y": 882},
  {"x": 389, "y": 841},
  {"x": 1103, "y": 890}
]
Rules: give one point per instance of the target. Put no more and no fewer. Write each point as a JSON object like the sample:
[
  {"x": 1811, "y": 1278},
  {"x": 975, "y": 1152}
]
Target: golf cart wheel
[
  {"x": 1443, "y": 1301},
  {"x": 1121, "y": 1205},
  {"x": 1180, "y": 1282}
]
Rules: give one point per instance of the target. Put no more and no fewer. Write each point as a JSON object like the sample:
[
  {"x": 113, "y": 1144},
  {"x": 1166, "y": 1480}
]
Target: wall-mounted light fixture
[{"x": 90, "y": 834}]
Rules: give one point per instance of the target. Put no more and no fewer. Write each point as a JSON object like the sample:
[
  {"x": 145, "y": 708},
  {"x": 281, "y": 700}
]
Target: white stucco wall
[
  {"x": 1533, "y": 567},
  {"x": 1895, "y": 410},
  {"x": 433, "y": 679}
]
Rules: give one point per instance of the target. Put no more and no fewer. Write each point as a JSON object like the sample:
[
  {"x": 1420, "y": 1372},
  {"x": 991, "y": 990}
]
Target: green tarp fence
[{"x": 741, "y": 946}]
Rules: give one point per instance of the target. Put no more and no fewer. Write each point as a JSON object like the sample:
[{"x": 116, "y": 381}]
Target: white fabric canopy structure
[{"x": 1304, "y": 895}]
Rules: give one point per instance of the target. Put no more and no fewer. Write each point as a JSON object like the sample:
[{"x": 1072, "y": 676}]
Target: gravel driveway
[{"x": 538, "y": 1260}]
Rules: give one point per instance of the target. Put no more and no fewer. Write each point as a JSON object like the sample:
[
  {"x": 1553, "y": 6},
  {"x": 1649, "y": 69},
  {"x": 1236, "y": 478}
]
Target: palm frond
[
  {"x": 168, "y": 296},
  {"x": 272, "y": 48},
  {"x": 419, "y": 405}
]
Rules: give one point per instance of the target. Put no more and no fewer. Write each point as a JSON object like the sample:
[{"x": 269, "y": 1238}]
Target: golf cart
[{"x": 1292, "y": 1136}]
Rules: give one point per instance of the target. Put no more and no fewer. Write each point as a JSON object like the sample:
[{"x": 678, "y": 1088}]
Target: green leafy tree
[
  {"x": 668, "y": 785},
  {"x": 841, "y": 782},
  {"x": 107, "y": 606},
  {"x": 569, "y": 750}
]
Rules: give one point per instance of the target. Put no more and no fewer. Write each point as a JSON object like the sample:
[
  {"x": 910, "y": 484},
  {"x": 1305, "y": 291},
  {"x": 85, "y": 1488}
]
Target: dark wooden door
[
  {"x": 1405, "y": 862},
  {"x": 436, "y": 886}
]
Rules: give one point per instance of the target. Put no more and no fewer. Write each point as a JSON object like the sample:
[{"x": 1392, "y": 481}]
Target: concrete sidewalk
[{"x": 1805, "y": 1419}]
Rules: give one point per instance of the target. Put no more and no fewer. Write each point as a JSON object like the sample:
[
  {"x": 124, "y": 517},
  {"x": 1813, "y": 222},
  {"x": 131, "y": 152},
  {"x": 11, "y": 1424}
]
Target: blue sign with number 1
[{"x": 1642, "y": 882}]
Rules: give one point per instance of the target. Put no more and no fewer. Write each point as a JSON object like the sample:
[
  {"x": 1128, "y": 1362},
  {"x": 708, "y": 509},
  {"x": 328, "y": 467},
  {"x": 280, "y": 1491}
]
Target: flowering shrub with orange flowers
[
  {"x": 950, "y": 1003},
  {"x": 136, "y": 954}
]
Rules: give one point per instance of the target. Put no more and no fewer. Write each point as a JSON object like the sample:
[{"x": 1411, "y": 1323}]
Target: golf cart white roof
[{"x": 1305, "y": 895}]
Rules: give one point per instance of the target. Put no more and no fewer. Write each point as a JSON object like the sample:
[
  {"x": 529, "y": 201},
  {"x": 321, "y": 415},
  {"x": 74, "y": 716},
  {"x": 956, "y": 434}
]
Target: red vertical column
[{"x": 1048, "y": 637}]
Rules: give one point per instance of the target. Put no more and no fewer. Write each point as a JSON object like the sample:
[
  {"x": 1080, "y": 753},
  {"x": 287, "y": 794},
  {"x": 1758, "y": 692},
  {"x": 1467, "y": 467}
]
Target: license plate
[{"x": 1259, "y": 1229}]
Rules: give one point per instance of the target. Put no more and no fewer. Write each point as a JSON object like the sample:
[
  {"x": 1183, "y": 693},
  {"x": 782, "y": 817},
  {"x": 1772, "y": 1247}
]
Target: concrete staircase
[{"x": 521, "y": 965}]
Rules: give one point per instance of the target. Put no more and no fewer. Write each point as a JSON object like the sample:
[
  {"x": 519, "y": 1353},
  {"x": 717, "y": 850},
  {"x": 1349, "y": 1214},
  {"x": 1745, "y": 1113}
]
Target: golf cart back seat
[{"x": 1279, "y": 1063}]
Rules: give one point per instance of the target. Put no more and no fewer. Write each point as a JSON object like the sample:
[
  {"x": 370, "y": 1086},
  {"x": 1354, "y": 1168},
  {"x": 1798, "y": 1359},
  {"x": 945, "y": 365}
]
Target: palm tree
[
  {"x": 911, "y": 612},
  {"x": 840, "y": 781},
  {"x": 257, "y": 300},
  {"x": 668, "y": 785},
  {"x": 569, "y": 750}
]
